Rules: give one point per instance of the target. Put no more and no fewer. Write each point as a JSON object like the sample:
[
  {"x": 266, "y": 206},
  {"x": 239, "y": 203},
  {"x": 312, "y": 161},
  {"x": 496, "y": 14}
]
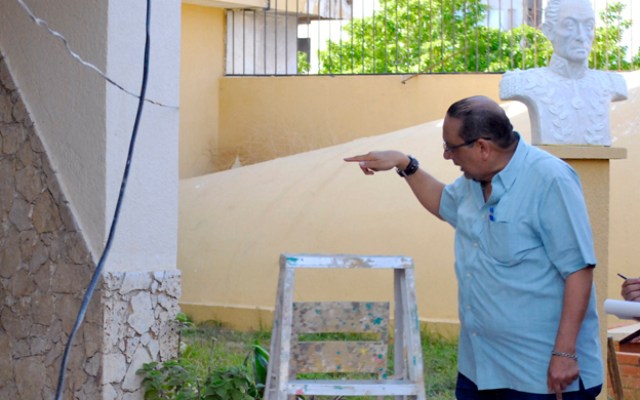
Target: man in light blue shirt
[{"x": 524, "y": 259}]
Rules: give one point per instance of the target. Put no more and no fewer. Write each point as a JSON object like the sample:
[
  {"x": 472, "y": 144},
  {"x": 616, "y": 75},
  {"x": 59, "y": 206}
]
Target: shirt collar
[{"x": 504, "y": 179}]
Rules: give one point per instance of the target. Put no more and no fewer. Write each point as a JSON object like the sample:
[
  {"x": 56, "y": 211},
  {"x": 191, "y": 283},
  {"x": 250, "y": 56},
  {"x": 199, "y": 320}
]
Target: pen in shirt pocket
[{"x": 622, "y": 276}]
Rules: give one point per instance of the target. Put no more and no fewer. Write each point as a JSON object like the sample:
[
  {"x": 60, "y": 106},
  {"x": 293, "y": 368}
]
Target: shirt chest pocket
[{"x": 510, "y": 241}]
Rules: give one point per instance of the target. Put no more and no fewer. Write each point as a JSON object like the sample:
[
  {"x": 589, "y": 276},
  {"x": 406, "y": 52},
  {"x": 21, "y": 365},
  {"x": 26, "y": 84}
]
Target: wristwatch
[{"x": 411, "y": 168}]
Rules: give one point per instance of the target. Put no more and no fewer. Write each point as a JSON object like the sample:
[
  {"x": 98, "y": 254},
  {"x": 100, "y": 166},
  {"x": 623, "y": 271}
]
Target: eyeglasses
[{"x": 451, "y": 149}]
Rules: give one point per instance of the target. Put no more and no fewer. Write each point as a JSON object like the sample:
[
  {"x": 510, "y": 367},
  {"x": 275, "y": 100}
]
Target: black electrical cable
[{"x": 123, "y": 185}]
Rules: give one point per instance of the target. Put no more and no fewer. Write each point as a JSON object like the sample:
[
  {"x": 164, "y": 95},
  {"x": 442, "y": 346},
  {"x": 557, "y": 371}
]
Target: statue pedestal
[{"x": 592, "y": 165}]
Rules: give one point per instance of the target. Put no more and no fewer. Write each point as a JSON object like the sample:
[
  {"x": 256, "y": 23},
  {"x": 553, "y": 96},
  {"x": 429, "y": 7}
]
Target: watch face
[{"x": 411, "y": 168}]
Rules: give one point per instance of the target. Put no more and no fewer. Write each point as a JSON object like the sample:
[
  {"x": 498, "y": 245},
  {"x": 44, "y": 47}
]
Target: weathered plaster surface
[
  {"x": 139, "y": 308},
  {"x": 45, "y": 267}
]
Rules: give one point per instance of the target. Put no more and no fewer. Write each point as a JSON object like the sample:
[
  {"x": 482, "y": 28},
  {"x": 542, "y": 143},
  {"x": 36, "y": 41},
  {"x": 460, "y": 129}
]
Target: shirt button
[
  {"x": 475, "y": 244},
  {"x": 475, "y": 333}
]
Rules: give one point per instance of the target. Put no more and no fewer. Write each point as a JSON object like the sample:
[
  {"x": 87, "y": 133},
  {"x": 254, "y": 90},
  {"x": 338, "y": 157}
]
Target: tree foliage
[
  {"x": 607, "y": 51},
  {"x": 425, "y": 36}
]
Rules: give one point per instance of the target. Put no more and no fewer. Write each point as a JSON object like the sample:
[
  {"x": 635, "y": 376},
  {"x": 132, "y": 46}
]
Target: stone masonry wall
[{"x": 45, "y": 267}]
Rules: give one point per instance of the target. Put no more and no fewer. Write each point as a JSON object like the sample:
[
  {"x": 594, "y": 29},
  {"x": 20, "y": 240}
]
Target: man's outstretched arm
[{"x": 427, "y": 189}]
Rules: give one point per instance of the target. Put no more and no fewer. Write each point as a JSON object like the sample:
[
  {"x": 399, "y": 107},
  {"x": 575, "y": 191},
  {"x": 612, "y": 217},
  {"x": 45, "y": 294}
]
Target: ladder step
[{"x": 353, "y": 388}]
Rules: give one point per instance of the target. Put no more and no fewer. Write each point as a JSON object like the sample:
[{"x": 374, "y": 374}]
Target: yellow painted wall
[
  {"x": 312, "y": 202},
  {"x": 201, "y": 67},
  {"x": 234, "y": 225},
  {"x": 624, "y": 223},
  {"x": 595, "y": 174},
  {"x": 262, "y": 118}
]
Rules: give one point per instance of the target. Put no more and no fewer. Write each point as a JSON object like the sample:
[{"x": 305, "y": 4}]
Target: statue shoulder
[
  {"x": 517, "y": 74},
  {"x": 516, "y": 83},
  {"x": 619, "y": 85},
  {"x": 613, "y": 81}
]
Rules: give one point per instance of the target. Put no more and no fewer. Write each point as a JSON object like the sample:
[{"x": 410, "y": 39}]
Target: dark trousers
[{"x": 467, "y": 390}]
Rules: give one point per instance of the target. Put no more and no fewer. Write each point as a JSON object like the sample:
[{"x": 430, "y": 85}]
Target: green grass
[{"x": 211, "y": 345}]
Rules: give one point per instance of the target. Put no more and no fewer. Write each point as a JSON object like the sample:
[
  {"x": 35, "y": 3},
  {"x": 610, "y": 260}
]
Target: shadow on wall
[{"x": 235, "y": 224}]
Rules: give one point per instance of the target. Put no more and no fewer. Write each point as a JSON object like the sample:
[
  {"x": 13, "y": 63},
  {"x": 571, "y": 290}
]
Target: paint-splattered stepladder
[{"x": 345, "y": 343}]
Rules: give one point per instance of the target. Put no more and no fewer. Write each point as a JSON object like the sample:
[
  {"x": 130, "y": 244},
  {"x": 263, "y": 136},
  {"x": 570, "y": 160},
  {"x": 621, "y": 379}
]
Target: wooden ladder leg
[
  {"x": 280, "y": 349},
  {"x": 412, "y": 331},
  {"x": 276, "y": 335},
  {"x": 399, "y": 337},
  {"x": 283, "y": 365}
]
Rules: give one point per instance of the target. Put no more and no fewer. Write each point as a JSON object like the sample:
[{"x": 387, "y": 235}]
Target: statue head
[{"x": 570, "y": 26}]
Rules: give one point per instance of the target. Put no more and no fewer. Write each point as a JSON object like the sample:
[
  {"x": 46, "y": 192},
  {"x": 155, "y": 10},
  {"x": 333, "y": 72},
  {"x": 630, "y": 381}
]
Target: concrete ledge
[{"x": 586, "y": 152}]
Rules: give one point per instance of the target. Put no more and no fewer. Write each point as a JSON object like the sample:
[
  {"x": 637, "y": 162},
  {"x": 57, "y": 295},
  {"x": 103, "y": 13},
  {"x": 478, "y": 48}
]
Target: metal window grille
[{"x": 342, "y": 37}]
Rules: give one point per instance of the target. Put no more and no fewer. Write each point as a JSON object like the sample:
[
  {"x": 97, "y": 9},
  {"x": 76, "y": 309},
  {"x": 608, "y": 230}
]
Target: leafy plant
[
  {"x": 182, "y": 379},
  {"x": 178, "y": 380},
  {"x": 184, "y": 320},
  {"x": 172, "y": 379},
  {"x": 231, "y": 383},
  {"x": 259, "y": 358}
]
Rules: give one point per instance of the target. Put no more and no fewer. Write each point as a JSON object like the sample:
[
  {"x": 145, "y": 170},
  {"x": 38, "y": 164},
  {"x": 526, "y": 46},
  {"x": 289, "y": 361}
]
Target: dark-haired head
[{"x": 482, "y": 117}]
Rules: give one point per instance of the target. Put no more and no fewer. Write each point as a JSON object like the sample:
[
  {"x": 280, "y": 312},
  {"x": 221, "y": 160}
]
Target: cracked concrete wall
[{"x": 45, "y": 267}]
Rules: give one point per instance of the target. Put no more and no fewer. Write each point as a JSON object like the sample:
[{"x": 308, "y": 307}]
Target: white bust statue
[{"x": 568, "y": 102}]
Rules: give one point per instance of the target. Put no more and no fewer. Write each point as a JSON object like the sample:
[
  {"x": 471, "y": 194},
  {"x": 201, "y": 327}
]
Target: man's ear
[{"x": 485, "y": 148}]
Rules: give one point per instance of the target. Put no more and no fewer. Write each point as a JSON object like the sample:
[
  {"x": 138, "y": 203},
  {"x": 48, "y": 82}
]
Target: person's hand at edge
[
  {"x": 561, "y": 373},
  {"x": 631, "y": 289}
]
